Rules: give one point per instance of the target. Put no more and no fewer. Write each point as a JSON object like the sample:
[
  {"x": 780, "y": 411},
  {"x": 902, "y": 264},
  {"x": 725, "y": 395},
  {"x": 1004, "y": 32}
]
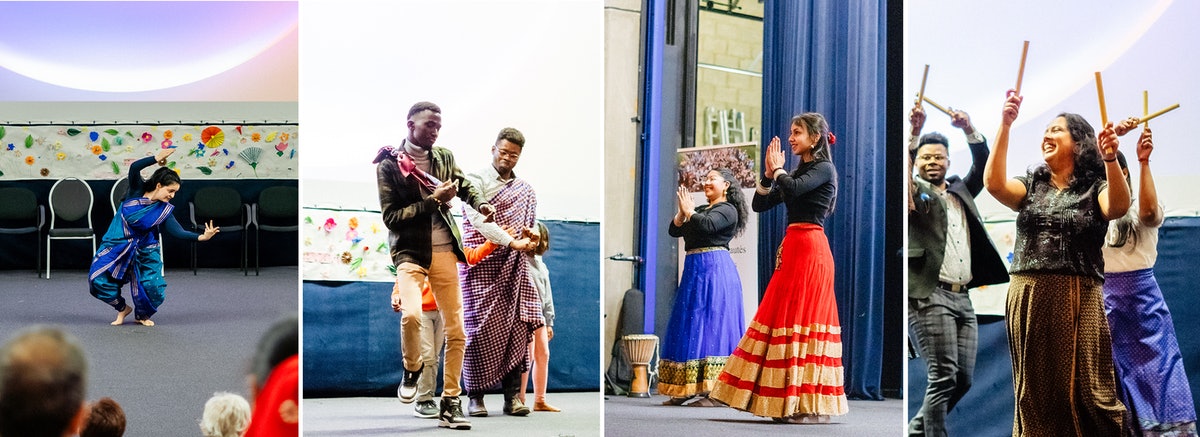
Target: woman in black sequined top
[{"x": 1058, "y": 336}]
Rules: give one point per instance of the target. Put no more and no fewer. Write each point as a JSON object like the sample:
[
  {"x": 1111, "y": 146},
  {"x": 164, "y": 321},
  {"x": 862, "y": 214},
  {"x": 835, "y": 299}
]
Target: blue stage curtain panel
[
  {"x": 202, "y": 151},
  {"x": 828, "y": 57}
]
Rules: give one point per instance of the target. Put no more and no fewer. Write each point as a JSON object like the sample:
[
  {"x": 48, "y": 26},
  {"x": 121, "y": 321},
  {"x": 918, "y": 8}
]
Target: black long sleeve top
[
  {"x": 710, "y": 226},
  {"x": 809, "y": 193}
]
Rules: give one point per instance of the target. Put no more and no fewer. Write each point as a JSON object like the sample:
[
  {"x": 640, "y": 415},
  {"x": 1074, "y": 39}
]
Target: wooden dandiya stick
[
  {"x": 1145, "y": 106},
  {"x": 1160, "y": 112},
  {"x": 921, "y": 92},
  {"x": 1021, "y": 70},
  {"x": 935, "y": 105},
  {"x": 1100, "y": 92}
]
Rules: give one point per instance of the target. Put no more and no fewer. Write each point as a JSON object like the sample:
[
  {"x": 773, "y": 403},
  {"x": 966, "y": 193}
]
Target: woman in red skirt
[{"x": 788, "y": 365}]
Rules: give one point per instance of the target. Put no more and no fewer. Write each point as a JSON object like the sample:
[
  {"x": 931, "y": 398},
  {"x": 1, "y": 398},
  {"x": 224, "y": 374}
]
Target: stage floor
[
  {"x": 206, "y": 332},
  {"x": 625, "y": 416},
  {"x": 580, "y": 417}
]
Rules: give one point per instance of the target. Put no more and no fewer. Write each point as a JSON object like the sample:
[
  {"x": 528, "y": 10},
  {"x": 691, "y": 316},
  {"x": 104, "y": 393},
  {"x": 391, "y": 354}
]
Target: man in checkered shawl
[{"x": 500, "y": 302}]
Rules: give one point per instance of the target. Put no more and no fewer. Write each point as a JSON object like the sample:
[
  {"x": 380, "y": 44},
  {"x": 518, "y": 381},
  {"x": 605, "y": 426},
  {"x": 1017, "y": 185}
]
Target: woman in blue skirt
[
  {"x": 1150, "y": 376},
  {"x": 706, "y": 318},
  {"x": 129, "y": 252}
]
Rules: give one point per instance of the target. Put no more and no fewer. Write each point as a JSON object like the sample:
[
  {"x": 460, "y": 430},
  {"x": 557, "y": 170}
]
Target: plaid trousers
[{"x": 948, "y": 335}]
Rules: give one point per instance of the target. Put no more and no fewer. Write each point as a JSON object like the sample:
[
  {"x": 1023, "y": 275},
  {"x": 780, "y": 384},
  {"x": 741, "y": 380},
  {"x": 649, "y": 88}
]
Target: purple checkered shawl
[{"x": 501, "y": 306}]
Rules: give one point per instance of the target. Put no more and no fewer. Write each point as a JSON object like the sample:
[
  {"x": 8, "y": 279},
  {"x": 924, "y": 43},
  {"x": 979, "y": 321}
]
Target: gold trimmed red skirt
[{"x": 789, "y": 362}]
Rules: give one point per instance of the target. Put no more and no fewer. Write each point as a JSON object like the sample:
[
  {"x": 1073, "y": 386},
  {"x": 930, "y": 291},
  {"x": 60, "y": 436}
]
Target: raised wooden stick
[
  {"x": 1021, "y": 70},
  {"x": 1100, "y": 92},
  {"x": 1160, "y": 112},
  {"x": 935, "y": 105},
  {"x": 1145, "y": 106},
  {"x": 921, "y": 92}
]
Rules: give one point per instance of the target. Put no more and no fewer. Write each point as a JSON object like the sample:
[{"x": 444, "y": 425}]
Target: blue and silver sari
[{"x": 129, "y": 253}]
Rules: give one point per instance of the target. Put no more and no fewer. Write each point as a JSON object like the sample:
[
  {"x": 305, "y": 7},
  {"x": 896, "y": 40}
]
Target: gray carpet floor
[
  {"x": 580, "y": 417},
  {"x": 206, "y": 332},
  {"x": 625, "y": 416}
]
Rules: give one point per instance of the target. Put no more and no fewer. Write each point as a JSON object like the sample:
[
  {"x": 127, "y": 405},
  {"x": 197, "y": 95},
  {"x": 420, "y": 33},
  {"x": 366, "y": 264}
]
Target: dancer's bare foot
[
  {"x": 121, "y": 315},
  {"x": 145, "y": 322}
]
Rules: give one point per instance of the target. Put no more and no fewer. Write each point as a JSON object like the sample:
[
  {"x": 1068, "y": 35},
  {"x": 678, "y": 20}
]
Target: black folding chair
[
  {"x": 21, "y": 214},
  {"x": 70, "y": 203},
  {"x": 223, "y": 206},
  {"x": 277, "y": 210}
]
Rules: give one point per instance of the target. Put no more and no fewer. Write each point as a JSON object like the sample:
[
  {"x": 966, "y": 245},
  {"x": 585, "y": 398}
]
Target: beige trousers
[{"x": 443, "y": 282}]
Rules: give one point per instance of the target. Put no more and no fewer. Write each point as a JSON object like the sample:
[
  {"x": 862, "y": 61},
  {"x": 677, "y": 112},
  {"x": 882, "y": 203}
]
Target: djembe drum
[{"x": 639, "y": 349}]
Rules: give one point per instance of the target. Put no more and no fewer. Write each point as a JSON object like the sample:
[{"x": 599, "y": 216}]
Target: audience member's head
[
  {"x": 43, "y": 382},
  {"x": 105, "y": 418},
  {"x": 277, "y": 408},
  {"x": 225, "y": 415},
  {"x": 281, "y": 341}
]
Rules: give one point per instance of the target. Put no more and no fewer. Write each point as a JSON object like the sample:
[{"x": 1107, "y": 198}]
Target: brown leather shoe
[
  {"x": 542, "y": 406},
  {"x": 475, "y": 407}
]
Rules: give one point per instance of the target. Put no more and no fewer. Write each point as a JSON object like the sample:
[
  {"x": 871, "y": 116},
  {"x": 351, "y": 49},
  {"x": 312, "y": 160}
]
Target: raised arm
[
  {"x": 1115, "y": 199},
  {"x": 1009, "y": 192},
  {"x": 1148, "y": 210},
  {"x": 137, "y": 184},
  {"x": 916, "y": 120},
  {"x": 979, "y": 151}
]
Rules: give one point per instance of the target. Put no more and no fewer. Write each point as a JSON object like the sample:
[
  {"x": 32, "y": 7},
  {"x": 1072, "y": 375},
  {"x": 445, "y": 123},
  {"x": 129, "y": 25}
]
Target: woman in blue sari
[{"x": 129, "y": 252}]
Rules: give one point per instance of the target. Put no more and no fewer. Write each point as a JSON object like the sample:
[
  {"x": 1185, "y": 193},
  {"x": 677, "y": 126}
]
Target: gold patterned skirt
[{"x": 1062, "y": 363}]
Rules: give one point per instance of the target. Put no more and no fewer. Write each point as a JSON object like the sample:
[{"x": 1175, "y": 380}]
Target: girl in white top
[
  {"x": 1149, "y": 367},
  {"x": 539, "y": 348}
]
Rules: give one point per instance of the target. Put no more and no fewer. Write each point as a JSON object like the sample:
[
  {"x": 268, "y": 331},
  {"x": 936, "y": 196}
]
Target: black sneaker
[
  {"x": 426, "y": 409},
  {"x": 451, "y": 415},
  {"x": 408, "y": 387}
]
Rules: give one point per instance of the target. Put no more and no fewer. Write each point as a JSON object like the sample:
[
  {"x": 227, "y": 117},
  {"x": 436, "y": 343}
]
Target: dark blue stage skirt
[
  {"x": 1149, "y": 366},
  {"x": 706, "y": 323}
]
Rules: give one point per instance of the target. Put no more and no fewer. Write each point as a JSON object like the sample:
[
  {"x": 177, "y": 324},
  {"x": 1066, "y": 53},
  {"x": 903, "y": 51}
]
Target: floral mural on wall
[
  {"x": 204, "y": 151},
  {"x": 344, "y": 246}
]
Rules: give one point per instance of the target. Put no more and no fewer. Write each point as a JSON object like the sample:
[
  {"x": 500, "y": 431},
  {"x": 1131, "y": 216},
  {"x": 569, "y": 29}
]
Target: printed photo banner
[
  {"x": 202, "y": 151},
  {"x": 345, "y": 246},
  {"x": 742, "y": 160}
]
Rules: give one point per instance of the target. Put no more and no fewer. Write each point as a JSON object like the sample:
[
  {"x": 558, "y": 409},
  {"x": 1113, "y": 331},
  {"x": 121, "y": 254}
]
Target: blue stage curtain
[{"x": 828, "y": 57}]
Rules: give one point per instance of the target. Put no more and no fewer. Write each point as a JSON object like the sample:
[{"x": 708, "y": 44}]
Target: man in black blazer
[{"x": 949, "y": 253}]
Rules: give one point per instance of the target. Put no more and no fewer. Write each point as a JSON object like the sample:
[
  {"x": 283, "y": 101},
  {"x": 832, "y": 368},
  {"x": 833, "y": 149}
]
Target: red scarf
[{"x": 408, "y": 167}]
